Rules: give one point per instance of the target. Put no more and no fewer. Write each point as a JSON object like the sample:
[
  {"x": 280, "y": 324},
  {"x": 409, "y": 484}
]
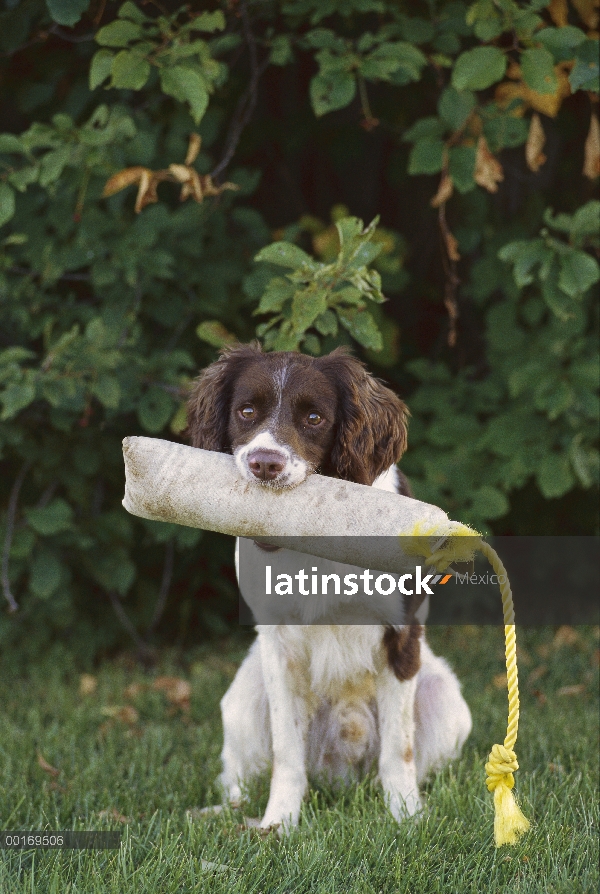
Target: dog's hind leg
[
  {"x": 246, "y": 728},
  {"x": 442, "y": 716}
]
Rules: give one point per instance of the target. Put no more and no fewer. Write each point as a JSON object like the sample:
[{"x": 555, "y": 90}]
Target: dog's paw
[{"x": 404, "y": 807}]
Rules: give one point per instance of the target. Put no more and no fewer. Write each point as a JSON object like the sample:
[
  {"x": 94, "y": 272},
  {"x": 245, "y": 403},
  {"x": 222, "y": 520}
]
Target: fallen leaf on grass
[
  {"x": 124, "y": 713},
  {"x": 113, "y": 814},
  {"x": 87, "y": 684},
  {"x": 500, "y": 681},
  {"x": 196, "y": 813},
  {"x": 540, "y": 696},
  {"x": 556, "y": 768},
  {"x": 565, "y": 636},
  {"x": 133, "y": 690},
  {"x": 209, "y": 866},
  {"x": 177, "y": 691},
  {"x": 537, "y": 673},
  {"x": 46, "y": 767},
  {"x": 576, "y": 689}
]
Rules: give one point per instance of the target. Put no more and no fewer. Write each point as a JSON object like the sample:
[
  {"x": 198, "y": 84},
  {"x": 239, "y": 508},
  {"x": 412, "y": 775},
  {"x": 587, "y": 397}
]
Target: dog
[{"x": 324, "y": 699}]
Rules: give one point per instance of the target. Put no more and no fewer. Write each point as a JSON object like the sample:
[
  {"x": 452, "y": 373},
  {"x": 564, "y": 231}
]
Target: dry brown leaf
[
  {"x": 565, "y": 636},
  {"x": 536, "y": 139},
  {"x": 488, "y": 170},
  {"x": 556, "y": 768},
  {"x": 539, "y": 695},
  {"x": 87, "y": 684},
  {"x": 576, "y": 689},
  {"x": 178, "y": 691},
  {"x": 46, "y": 767},
  {"x": 133, "y": 690},
  {"x": 559, "y": 12},
  {"x": 500, "y": 681},
  {"x": 588, "y": 12},
  {"x": 445, "y": 190},
  {"x": 546, "y": 103},
  {"x": 124, "y": 713},
  {"x": 122, "y": 179},
  {"x": 113, "y": 814},
  {"x": 193, "y": 148},
  {"x": 537, "y": 673},
  {"x": 591, "y": 162}
]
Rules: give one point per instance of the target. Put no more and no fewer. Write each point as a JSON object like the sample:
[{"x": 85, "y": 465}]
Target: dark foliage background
[{"x": 470, "y": 130}]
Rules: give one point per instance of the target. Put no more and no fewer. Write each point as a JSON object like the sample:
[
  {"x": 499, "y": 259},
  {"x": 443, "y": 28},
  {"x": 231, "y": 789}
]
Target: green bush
[{"x": 435, "y": 119}]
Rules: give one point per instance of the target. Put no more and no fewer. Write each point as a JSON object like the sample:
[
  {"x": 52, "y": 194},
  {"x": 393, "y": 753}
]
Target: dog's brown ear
[
  {"x": 208, "y": 404},
  {"x": 373, "y": 428}
]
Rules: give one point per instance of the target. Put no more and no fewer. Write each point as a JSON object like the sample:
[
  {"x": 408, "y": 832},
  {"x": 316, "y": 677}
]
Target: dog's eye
[
  {"x": 313, "y": 418},
  {"x": 247, "y": 412}
]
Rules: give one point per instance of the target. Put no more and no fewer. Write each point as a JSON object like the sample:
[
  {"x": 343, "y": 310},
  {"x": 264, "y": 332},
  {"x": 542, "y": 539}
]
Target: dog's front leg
[
  {"x": 397, "y": 771},
  {"x": 289, "y": 725}
]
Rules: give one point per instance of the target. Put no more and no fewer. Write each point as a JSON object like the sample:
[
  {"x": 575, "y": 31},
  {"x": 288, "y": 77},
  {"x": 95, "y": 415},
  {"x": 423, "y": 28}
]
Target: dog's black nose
[{"x": 266, "y": 464}]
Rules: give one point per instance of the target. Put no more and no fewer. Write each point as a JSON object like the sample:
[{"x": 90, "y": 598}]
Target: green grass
[{"x": 149, "y": 770}]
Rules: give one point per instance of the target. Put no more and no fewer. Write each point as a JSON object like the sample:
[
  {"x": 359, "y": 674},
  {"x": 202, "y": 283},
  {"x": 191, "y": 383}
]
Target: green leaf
[
  {"x": 307, "y": 305},
  {"x": 100, "y": 67},
  {"x": 281, "y": 50},
  {"x": 214, "y": 333},
  {"x": 461, "y": 167},
  {"x": 578, "y": 271},
  {"x": 327, "y": 323},
  {"x": 209, "y": 21},
  {"x": 585, "y": 74},
  {"x": 186, "y": 85},
  {"x": 561, "y": 41},
  {"x": 67, "y": 12},
  {"x": 10, "y": 142},
  {"x": 455, "y": 106},
  {"x": 489, "y": 502},
  {"x": 53, "y": 164},
  {"x": 286, "y": 254},
  {"x": 430, "y": 128},
  {"x": 7, "y": 203},
  {"x": 478, "y": 68},
  {"x": 361, "y": 326},
  {"x": 537, "y": 68},
  {"x": 108, "y": 391},
  {"x": 57, "y": 516},
  {"x": 333, "y": 90},
  {"x": 154, "y": 409},
  {"x": 426, "y": 157},
  {"x": 130, "y": 11},
  {"x": 46, "y": 573},
  {"x": 119, "y": 33},
  {"x": 17, "y": 396},
  {"x": 129, "y": 71},
  {"x": 586, "y": 221},
  {"x": 278, "y": 291},
  {"x": 554, "y": 477}
]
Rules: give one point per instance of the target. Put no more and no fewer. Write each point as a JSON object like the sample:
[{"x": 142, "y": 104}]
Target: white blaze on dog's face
[{"x": 282, "y": 420}]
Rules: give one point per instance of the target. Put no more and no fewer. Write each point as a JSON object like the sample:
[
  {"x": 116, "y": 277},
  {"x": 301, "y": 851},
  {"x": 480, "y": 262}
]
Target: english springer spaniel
[{"x": 323, "y": 699}]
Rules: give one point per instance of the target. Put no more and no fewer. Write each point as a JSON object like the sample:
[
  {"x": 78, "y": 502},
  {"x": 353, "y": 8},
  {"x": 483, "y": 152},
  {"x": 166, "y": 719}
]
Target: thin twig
[
  {"x": 71, "y": 38},
  {"x": 126, "y": 623},
  {"x": 452, "y": 280},
  {"x": 164, "y": 586},
  {"x": 10, "y": 524},
  {"x": 247, "y": 101}
]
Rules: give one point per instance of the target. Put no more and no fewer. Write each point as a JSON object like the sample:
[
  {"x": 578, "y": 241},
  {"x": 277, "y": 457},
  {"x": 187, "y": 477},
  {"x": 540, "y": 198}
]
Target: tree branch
[
  {"x": 247, "y": 101},
  {"x": 127, "y": 624},
  {"x": 10, "y": 525},
  {"x": 164, "y": 586}
]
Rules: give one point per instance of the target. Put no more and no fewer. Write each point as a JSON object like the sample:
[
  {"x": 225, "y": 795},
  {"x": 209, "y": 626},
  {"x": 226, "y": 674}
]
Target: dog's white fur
[{"x": 322, "y": 700}]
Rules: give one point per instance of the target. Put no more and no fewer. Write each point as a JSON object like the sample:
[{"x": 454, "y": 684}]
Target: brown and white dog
[{"x": 323, "y": 699}]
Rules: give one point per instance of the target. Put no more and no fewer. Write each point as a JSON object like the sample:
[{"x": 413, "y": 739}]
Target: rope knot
[{"x": 501, "y": 765}]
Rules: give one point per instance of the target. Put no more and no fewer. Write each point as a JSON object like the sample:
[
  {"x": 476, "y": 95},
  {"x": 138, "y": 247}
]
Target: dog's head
[{"x": 284, "y": 415}]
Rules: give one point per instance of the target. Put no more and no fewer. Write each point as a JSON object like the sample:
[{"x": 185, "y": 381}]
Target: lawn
[{"x": 133, "y": 749}]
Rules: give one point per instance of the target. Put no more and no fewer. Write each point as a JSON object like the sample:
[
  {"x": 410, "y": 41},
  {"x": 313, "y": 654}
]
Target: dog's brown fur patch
[{"x": 403, "y": 649}]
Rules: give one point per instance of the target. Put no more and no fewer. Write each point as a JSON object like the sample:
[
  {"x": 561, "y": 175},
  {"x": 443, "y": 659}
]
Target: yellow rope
[{"x": 509, "y": 821}]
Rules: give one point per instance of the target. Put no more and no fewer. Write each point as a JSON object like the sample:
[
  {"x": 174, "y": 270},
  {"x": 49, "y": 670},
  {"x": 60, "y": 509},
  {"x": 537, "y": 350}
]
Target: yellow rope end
[{"x": 509, "y": 821}]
